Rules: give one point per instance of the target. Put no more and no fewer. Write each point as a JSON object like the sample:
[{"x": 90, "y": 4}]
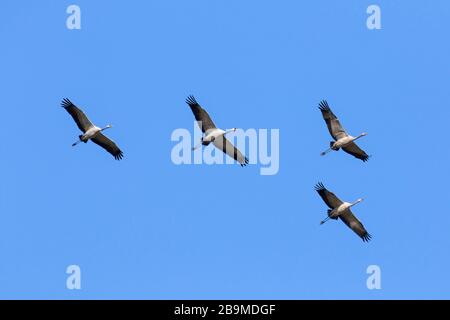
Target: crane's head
[{"x": 363, "y": 134}]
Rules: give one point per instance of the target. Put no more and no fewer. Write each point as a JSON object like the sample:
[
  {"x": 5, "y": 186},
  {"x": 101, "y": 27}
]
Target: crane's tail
[
  {"x": 329, "y": 214},
  {"x": 331, "y": 146},
  {"x": 79, "y": 140}
]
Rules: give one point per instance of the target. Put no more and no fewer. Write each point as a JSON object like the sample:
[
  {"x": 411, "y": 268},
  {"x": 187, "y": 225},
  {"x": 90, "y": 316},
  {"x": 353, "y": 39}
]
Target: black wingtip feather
[
  {"x": 190, "y": 100},
  {"x": 363, "y": 158},
  {"x": 118, "y": 156},
  {"x": 245, "y": 162},
  {"x": 367, "y": 237},
  {"x": 66, "y": 103},
  {"x": 319, "y": 186},
  {"x": 323, "y": 106}
]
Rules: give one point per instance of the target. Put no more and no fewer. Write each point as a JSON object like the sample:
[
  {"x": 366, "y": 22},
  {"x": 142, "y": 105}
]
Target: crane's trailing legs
[
  {"x": 332, "y": 147},
  {"x": 198, "y": 145},
  {"x": 89, "y": 134},
  {"x": 335, "y": 213},
  {"x": 325, "y": 152},
  {"x": 336, "y": 145},
  {"x": 325, "y": 220}
]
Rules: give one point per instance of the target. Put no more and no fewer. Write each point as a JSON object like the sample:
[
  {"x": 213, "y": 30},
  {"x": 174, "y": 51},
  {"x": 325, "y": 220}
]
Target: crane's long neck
[
  {"x": 356, "y": 202},
  {"x": 360, "y": 136},
  {"x": 107, "y": 127},
  {"x": 229, "y": 131}
]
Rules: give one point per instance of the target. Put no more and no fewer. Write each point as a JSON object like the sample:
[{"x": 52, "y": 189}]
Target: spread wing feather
[
  {"x": 78, "y": 116},
  {"x": 203, "y": 119}
]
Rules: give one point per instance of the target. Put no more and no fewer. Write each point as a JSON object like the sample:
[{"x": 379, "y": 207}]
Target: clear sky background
[{"x": 145, "y": 228}]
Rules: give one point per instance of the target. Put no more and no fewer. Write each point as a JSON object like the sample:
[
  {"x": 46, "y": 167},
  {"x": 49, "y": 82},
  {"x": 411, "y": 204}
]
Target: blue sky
[{"x": 145, "y": 228}]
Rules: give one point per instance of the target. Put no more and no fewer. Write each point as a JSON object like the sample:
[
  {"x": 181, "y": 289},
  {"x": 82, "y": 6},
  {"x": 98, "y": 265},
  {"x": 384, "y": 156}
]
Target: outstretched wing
[
  {"x": 353, "y": 149},
  {"x": 203, "y": 119},
  {"x": 80, "y": 118},
  {"x": 225, "y": 145},
  {"x": 328, "y": 197},
  {"x": 353, "y": 223},
  {"x": 334, "y": 126},
  {"x": 107, "y": 144}
]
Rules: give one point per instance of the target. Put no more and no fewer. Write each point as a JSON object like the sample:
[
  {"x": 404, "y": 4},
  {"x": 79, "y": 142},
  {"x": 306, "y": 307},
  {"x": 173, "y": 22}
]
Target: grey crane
[
  {"x": 90, "y": 131},
  {"x": 212, "y": 134},
  {"x": 341, "y": 210},
  {"x": 342, "y": 138}
]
